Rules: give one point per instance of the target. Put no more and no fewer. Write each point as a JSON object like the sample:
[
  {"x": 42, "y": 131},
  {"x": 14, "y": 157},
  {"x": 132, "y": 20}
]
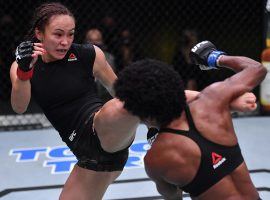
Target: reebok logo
[
  {"x": 217, "y": 160},
  {"x": 72, "y": 57},
  {"x": 72, "y": 136}
]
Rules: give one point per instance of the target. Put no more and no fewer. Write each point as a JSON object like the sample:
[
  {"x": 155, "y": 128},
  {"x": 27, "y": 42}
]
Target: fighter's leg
[
  {"x": 114, "y": 126},
  {"x": 85, "y": 184}
]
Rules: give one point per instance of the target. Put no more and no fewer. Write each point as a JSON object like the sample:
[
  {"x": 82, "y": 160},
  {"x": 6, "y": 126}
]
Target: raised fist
[
  {"x": 24, "y": 55},
  {"x": 205, "y": 55}
]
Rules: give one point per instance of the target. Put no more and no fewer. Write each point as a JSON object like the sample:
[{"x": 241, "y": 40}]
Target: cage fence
[{"x": 136, "y": 29}]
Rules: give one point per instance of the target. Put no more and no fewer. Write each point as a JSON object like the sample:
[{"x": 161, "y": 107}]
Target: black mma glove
[
  {"x": 205, "y": 55},
  {"x": 24, "y": 57}
]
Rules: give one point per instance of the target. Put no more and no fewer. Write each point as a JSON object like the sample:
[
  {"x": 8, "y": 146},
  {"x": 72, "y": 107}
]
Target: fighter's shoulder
[
  {"x": 159, "y": 160},
  {"x": 84, "y": 51}
]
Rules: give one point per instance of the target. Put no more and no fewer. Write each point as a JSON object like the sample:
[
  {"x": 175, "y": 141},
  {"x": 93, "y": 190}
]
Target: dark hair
[
  {"x": 151, "y": 89},
  {"x": 42, "y": 15}
]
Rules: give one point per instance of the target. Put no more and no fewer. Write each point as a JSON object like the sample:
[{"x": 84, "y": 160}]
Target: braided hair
[{"x": 42, "y": 15}]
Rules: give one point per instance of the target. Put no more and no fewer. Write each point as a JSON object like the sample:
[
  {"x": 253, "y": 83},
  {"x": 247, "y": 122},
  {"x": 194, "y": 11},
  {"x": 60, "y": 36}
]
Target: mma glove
[
  {"x": 24, "y": 58},
  {"x": 205, "y": 55}
]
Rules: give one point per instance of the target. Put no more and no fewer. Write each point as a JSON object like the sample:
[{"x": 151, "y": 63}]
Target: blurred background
[{"x": 128, "y": 30}]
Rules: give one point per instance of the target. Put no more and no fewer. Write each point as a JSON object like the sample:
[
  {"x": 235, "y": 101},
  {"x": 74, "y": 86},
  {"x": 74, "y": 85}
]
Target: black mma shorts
[{"x": 90, "y": 154}]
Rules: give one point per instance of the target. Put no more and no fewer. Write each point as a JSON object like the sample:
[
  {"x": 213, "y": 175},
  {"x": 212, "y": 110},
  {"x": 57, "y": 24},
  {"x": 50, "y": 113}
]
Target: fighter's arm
[
  {"x": 243, "y": 103},
  {"x": 21, "y": 72},
  {"x": 20, "y": 92},
  {"x": 103, "y": 72},
  {"x": 168, "y": 191},
  {"x": 249, "y": 73},
  {"x": 161, "y": 168}
]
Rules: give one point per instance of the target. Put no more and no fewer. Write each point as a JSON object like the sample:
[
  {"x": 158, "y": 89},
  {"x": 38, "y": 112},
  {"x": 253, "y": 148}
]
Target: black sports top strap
[
  {"x": 182, "y": 132},
  {"x": 189, "y": 118},
  {"x": 170, "y": 130}
]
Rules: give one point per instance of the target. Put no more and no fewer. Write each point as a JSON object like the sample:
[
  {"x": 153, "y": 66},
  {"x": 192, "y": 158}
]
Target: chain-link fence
[{"x": 134, "y": 29}]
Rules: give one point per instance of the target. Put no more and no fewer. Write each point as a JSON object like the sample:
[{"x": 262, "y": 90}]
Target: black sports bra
[{"x": 217, "y": 160}]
